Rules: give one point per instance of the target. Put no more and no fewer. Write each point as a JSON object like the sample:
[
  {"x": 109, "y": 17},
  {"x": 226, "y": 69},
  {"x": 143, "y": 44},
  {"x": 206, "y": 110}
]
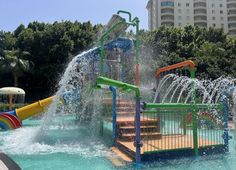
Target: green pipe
[
  {"x": 125, "y": 12},
  {"x": 124, "y": 86},
  {"x": 181, "y": 105},
  {"x": 194, "y": 112},
  {"x": 184, "y": 116}
]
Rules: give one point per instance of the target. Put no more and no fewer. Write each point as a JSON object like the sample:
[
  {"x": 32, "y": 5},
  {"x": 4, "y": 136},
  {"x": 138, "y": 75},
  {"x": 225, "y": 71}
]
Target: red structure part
[{"x": 16, "y": 123}]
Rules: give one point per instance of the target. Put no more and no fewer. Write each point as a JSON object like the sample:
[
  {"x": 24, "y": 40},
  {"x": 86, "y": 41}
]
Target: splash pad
[{"x": 185, "y": 116}]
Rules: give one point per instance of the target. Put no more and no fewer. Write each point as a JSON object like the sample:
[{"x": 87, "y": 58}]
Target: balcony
[
  {"x": 232, "y": 22},
  {"x": 231, "y": 17},
  {"x": 200, "y": 15},
  {"x": 232, "y": 13},
  {"x": 231, "y": 5},
  {"x": 167, "y": 11},
  {"x": 232, "y": 29},
  {"x": 200, "y": 24},
  {"x": 167, "y": 17},
  {"x": 167, "y": 7},
  {"x": 168, "y": 23},
  {"x": 200, "y": 11},
  {"x": 200, "y": 18},
  {"x": 199, "y": 4},
  {"x": 232, "y": 32}
]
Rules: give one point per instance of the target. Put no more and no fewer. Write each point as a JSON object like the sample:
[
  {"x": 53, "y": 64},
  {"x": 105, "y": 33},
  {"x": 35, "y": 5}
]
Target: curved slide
[{"x": 13, "y": 119}]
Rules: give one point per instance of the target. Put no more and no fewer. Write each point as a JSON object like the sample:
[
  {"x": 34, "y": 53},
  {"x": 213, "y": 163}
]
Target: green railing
[{"x": 173, "y": 126}]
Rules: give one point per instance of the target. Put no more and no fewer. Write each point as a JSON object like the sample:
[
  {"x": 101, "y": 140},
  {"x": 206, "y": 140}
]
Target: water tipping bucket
[{"x": 117, "y": 30}]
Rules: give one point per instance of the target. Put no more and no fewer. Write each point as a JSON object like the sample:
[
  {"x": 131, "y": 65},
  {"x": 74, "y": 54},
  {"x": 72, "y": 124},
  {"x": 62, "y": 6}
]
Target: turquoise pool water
[{"x": 72, "y": 147}]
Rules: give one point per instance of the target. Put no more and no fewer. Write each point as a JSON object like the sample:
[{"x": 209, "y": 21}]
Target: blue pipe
[
  {"x": 113, "y": 90},
  {"x": 12, "y": 112},
  {"x": 138, "y": 144},
  {"x": 225, "y": 119}
]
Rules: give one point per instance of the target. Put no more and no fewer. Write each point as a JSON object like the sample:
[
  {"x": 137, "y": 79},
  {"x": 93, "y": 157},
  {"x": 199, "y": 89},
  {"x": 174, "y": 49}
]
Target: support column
[
  {"x": 137, "y": 142},
  {"x": 226, "y": 130},
  {"x": 113, "y": 90},
  {"x": 194, "y": 113}
]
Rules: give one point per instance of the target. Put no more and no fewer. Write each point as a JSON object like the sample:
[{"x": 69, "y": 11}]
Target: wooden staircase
[{"x": 126, "y": 126}]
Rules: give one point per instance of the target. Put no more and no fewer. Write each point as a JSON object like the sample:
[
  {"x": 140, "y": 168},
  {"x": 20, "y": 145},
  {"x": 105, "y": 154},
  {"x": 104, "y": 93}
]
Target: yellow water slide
[{"x": 33, "y": 109}]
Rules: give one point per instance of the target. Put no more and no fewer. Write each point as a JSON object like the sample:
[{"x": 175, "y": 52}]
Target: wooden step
[
  {"x": 122, "y": 155},
  {"x": 124, "y": 121},
  {"x": 130, "y": 153},
  {"x": 131, "y": 129},
  {"x": 124, "y": 113},
  {"x": 125, "y": 108},
  {"x": 144, "y": 135},
  {"x": 119, "y": 103}
]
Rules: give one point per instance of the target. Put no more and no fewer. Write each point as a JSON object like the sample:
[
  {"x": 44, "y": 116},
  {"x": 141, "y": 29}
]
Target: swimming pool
[{"x": 71, "y": 147}]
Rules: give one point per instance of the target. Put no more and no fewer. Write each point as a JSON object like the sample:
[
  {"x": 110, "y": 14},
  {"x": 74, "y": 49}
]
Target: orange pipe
[{"x": 188, "y": 63}]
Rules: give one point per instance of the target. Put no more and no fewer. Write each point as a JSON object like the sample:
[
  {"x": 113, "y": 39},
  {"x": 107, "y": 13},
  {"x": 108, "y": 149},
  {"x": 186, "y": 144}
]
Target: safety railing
[{"x": 173, "y": 127}]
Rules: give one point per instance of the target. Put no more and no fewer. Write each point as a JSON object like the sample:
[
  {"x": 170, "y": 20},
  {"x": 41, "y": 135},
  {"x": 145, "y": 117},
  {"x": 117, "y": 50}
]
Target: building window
[
  {"x": 222, "y": 25},
  {"x": 213, "y": 24},
  {"x": 187, "y": 4},
  {"x": 213, "y": 5},
  {"x": 179, "y": 10},
  {"x": 213, "y": 18},
  {"x": 180, "y": 17},
  {"x": 187, "y": 17},
  {"x": 213, "y": 11},
  {"x": 221, "y": 18},
  {"x": 221, "y": 5},
  {"x": 221, "y": 11},
  {"x": 167, "y": 3},
  {"x": 179, "y": 4}
]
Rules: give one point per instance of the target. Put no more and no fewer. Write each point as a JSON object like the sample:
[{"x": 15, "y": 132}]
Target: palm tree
[{"x": 13, "y": 62}]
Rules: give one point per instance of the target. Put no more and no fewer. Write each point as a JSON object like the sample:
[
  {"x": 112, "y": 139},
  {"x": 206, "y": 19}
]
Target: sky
[{"x": 16, "y": 12}]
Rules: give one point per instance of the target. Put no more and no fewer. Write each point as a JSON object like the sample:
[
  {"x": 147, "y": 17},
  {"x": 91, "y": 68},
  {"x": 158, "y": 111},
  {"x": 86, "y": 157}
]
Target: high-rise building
[{"x": 202, "y": 13}]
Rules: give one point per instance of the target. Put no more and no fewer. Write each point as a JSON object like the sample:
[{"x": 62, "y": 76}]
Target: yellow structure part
[{"x": 34, "y": 108}]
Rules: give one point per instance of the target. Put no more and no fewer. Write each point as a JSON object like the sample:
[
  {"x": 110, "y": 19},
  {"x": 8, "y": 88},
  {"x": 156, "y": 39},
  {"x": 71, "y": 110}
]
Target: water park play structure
[{"x": 189, "y": 123}]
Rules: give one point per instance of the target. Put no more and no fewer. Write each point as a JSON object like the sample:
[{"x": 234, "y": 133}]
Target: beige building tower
[{"x": 202, "y": 13}]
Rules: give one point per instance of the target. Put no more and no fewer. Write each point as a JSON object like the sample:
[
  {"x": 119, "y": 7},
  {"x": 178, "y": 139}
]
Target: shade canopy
[{"x": 12, "y": 91}]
